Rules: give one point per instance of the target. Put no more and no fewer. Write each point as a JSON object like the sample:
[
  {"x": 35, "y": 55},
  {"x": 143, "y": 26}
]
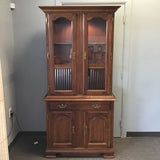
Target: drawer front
[{"x": 76, "y": 106}]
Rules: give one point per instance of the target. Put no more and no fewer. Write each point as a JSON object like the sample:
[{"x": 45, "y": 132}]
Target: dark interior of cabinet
[
  {"x": 97, "y": 31},
  {"x": 62, "y": 31}
]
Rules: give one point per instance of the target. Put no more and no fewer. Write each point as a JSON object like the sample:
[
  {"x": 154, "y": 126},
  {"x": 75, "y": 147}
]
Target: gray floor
[{"x": 125, "y": 149}]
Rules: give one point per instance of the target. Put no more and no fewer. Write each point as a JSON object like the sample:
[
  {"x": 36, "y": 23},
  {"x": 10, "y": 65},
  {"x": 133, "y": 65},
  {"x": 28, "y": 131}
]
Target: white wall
[
  {"x": 141, "y": 64},
  {"x": 30, "y": 63},
  {"x": 7, "y": 60},
  {"x": 141, "y": 106}
]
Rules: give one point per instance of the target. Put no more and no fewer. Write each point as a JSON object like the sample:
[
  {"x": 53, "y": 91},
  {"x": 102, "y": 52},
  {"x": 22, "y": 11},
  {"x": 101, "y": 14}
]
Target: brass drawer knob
[
  {"x": 73, "y": 129},
  {"x": 48, "y": 55},
  {"x": 62, "y": 106},
  {"x": 96, "y": 106},
  {"x": 85, "y": 56},
  {"x": 74, "y": 55}
]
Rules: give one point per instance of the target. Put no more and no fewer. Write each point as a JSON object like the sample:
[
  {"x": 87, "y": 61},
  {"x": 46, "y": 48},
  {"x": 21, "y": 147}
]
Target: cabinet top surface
[
  {"x": 81, "y": 98},
  {"x": 49, "y": 9}
]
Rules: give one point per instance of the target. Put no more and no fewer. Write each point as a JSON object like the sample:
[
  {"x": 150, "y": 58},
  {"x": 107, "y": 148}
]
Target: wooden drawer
[
  {"x": 60, "y": 106},
  {"x": 77, "y": 106}
]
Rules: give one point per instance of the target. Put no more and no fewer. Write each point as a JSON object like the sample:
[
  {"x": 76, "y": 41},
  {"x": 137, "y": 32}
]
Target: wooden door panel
[
  {"x": 98, "y": 125},
  {"x": 60, "y": 129},
  {"x": 97, "y": 129}
]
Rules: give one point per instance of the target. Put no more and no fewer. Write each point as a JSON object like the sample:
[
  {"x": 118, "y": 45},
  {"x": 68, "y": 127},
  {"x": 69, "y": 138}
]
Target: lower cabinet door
[
  {"x": 97, "y": 129},
  {"x": 60, "y": 129}
]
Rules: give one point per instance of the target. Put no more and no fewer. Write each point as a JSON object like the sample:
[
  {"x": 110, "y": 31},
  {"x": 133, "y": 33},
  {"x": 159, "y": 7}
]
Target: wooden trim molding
[
  {"x": 61, "y": 9},
  {"x": 80, "y": 98},
  {"x": 89, "y": 2}
]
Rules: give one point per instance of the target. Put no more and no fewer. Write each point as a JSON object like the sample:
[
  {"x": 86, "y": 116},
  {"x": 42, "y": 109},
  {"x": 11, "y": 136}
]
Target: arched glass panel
[{"x": 63, "y": 53}]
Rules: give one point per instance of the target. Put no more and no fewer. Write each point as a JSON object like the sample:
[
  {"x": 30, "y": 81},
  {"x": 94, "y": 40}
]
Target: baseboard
[
  {"x": 143, "y": 134},
  {"x": 26, "y": 133},
  {"x": 32, "y": 133},
  {"x": 13, "y": 142}
]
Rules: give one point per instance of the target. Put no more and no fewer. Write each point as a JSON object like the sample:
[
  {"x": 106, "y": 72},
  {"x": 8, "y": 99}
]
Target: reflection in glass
[
  {"x": 96, "y": 53},
  {"x": 63, "y": 54}
]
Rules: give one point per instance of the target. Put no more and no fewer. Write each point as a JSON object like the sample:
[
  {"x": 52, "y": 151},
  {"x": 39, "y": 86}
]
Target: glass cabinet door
[
  {"x": 96, "y": 53},
  {"x": 63, "y": 53}
]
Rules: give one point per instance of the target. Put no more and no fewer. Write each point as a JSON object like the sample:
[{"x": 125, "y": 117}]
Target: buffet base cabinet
[{"x": 80, "y": 128}]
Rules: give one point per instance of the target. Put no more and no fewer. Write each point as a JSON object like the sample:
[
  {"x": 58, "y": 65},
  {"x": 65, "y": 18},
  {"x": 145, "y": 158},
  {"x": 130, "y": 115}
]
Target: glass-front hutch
[{"x": 79, "y": 102}]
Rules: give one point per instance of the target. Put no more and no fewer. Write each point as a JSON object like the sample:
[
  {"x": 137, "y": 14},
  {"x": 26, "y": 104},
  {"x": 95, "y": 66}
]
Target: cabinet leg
[{"x": 108, "y": 156}]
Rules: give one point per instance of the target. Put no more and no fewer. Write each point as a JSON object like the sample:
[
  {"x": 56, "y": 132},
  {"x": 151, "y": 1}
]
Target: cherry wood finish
[
  {"x": 79, "y": 125},
  {"x": 60, "y": 124},
  {"x": 80, "y": 120},
  {"x": 97, "y": 127}
]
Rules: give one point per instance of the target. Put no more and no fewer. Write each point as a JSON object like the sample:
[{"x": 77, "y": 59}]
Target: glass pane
[
  {"x": 63, "y": 54},
  {"x": 96, "y": 53},
  {"x": 95, "y": 79},
  {"x": 63, "y": 79}
]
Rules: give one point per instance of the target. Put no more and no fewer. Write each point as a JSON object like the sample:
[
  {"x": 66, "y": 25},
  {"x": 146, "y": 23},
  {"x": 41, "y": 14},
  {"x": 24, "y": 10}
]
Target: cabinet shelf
[
  {"x": 63, "y": 66},
  {"x": 96, "y": 66},
  {"x": 96, "y": 43},
  {"x": 70, "y": 43},
  {"x": 63, "y": 43}
]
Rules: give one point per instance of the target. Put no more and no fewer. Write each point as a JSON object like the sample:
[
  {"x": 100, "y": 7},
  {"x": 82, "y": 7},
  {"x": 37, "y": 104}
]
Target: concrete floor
[{"x": 125, "y": 149}]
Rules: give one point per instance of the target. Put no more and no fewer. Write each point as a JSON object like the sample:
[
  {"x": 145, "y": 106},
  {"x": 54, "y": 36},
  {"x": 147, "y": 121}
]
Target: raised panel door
[
  {"x": 61, "y": 129},
  {"x": 97, "y": 125}
]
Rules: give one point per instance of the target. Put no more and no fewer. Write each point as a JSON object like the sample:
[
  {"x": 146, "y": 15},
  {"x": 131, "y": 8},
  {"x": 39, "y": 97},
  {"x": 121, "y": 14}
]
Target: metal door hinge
[
  {"x": 124, "y": 19},
  {"x": 74, "y": 55},
  {"x": 46, "y": 20},
  {"x": 73, "y": 129},
  {"x": 85, "y": 56},
  {"x": 48, "y": 55}
]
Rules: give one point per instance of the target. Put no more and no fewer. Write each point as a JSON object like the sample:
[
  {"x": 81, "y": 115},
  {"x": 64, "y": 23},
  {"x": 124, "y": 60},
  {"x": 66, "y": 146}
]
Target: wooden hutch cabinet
[{"x": 79, "y": 102}]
